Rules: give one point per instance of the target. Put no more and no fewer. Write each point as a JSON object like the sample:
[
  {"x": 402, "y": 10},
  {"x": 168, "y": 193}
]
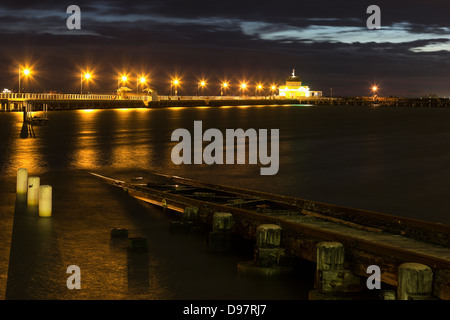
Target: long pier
[
  {"x": 52, "y": 102},
  {"x": 412, "y": 256}
]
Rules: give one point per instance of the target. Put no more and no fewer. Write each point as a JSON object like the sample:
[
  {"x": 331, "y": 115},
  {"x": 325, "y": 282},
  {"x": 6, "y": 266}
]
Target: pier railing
[{"x": 64, "y": 96}]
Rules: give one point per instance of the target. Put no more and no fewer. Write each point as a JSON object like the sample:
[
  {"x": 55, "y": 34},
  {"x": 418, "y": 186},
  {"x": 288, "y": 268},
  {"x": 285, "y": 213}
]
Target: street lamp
[
  {"x": 200, "y": 84},
  {"x": 140, "y": 80},
  {"x": 26, "y": 72},
  {"x": 174, "y": 83},
  {"x": 120, "y": 79},
  {"x": 374, "y": 90},
  {"x": 86, "y": 76},
  {"x": 258, "y": 89},
  {"x": 273, "y": 89},
  {"x": 224, "y": 88},
  {"x": 243, "y": 87}
]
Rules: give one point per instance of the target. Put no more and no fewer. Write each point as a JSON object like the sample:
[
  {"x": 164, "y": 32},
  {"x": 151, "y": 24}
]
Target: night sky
[{"x": 327, "y": 42}]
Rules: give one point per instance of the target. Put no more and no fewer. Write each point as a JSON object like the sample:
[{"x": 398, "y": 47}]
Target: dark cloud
[{"x": 326, "y": 41}]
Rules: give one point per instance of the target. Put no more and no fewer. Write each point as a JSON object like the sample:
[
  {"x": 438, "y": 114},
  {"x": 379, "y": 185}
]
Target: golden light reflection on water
[
  {"x": 125, "y": 146},
  {"x": 26, "y": 153}
]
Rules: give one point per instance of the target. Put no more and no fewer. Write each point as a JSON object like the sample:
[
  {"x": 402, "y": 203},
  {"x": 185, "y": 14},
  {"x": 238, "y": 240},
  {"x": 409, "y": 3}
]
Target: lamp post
[
  {"x": 374, "y": 90},
  {"x": 26, "y": 72},
  {"x": 224, "y": 88},
  {"x": 140, "y": 80},
  {"x": 87, "y": 76},
  {"x": 119, "y": 78},
  {"x": 200, "y": 84},
  {"x": 175, "y": 83},
  {"x": 243, "y": 87},
  {"x": 258, "y": 89},
  {"x": 273, "y": 90}
]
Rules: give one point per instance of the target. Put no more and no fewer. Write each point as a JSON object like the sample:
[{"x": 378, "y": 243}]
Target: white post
[
  {"x": 33, "y": 191},
  {"x": 22, "y": 182},
  {"x": 45, "y": 201}
]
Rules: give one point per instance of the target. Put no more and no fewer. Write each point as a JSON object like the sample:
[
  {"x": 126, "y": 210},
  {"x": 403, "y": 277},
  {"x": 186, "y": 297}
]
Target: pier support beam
[{"x": 415, "y": 282}]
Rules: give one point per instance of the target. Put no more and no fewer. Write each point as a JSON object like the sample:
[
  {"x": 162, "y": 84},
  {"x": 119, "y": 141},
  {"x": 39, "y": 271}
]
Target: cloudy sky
[{"x": 327, "y": 42}]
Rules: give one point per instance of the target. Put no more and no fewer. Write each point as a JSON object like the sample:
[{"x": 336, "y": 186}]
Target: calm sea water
[{"x": 393, "y": 160}]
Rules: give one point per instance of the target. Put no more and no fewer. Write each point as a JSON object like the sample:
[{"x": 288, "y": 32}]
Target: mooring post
[
  {"x": 332, "y": 280},
  {"x": 415, "y": 282},
  {"x": 189, "y": 217},
  {"x": 267, "y": 252},
  {"x": 190, "y": 214},
  {"x": 220, "y": 238},
  {"x": 33, "y": 191},
  {"x": 22, "y": 185},
  {"x": 269, "y": 259},
  {"x": 45, "y": 201},
  {"x": 330, "y": 256}
]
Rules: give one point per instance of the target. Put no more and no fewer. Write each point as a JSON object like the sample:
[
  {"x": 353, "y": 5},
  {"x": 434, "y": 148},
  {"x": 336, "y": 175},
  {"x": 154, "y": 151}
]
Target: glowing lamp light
[
  {"x": 259, "y": 87},
  {"x": 243, "y": 86},
  {"x": 124, "y": 78},
  {"x": 225, "y": 84},
  {"x": 87, "y": 76},
  {"x": 273, "y": 87},
  {"x": 175, "y": 82},
  {"x": 203, "y": 83},
  {"x": 374, "y": 88},
  {"x": 142, "y": 80},
  {"x": 26, "y": 72}
]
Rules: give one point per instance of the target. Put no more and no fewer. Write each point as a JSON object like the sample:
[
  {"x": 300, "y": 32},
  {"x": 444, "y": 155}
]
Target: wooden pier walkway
[{"x": 369, "y": 238}]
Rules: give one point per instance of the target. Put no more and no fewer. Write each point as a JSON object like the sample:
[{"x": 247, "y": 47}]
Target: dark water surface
[{"x": 393, "y": 160}]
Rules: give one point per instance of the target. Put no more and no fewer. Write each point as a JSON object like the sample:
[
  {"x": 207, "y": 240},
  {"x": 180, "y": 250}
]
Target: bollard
[
  {"x": 331, "y": 278},
  {"x": 222, "y": 221},
  {"x": 330, "y": 256},
  {"x": 269, "y": 259},
  {"x": 268, "y": 236},
  {"x": 45, "y": 201},
  {"x": 22, "y": 181},
  {"x": 190, "y": 213},
  {"x": 33, "y": 191},
  {"x": 415, "y": 281},
  {"x": 137, "y": 244},
  {"x": 268, "y": 239}
]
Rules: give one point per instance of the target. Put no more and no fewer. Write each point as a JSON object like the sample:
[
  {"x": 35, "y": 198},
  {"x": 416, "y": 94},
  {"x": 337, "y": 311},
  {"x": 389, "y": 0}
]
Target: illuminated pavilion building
[{"x": 294, "y": 89}]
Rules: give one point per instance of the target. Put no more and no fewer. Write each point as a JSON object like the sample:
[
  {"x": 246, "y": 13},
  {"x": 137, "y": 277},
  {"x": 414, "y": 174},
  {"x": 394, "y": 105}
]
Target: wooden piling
[
  {"x": 268, "y": 236},
  {"x": 332, "y": 280},
  {"x": 220, "y": 239},
  {"x": 415, "y": 281}
]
